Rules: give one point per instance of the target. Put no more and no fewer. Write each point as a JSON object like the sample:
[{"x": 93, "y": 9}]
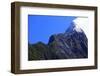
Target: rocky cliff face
[{"x": 71, "y": 44}]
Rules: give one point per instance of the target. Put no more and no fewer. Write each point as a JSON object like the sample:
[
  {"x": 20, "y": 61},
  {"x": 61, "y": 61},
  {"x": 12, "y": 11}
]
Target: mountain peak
[
  {"x": 73, "y": 27},
  {"x": 77, "y": 28}
]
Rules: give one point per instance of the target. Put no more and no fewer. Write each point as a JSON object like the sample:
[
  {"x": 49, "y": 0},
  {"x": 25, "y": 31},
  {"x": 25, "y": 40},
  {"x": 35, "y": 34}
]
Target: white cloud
[{"x": 82, "y": 22}]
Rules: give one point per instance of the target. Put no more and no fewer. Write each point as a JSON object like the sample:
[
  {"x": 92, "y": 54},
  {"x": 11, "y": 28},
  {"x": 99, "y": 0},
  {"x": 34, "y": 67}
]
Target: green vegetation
[{"x": 37, "y": 51}]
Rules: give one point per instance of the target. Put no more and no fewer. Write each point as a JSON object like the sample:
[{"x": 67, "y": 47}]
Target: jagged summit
[{"x": 73, "y": 27}]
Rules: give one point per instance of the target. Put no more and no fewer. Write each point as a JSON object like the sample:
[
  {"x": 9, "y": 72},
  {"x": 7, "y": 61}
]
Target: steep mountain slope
[{"x": 71, "y": 44}]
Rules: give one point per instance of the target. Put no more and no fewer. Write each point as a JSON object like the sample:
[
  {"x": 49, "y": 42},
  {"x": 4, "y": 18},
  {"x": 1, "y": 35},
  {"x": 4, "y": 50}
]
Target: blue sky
[{"x": 41, "y": 27}]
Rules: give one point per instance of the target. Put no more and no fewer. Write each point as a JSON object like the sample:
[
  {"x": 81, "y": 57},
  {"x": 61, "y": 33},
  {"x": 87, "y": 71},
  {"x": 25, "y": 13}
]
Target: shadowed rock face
[
  {"x": 69, "y": 45},
  {"x": 72, "y": 45}
]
